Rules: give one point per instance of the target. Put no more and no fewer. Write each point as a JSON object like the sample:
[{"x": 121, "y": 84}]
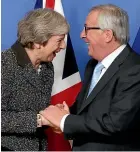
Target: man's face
[{"x": 93, "y": 37}]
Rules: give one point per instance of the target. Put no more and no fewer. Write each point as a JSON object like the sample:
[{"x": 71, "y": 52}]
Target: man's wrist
[{"x": 62, "y": 122}]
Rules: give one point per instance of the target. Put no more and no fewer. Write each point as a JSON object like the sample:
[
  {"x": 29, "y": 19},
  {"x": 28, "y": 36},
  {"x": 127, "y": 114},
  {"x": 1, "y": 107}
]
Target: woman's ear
[{"x": 37, "y": 46}]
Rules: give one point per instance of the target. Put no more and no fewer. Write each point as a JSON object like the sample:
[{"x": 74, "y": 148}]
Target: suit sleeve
[
  {"x": 13, "y": 121},
  {"x": 122, "y": 115}
]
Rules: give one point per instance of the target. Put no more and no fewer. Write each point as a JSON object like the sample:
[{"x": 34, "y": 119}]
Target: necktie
[{"x": 95, "y": 77}]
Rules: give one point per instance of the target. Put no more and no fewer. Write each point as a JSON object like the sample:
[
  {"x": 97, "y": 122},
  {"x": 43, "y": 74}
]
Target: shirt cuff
[{"x": 62, "y": 122}]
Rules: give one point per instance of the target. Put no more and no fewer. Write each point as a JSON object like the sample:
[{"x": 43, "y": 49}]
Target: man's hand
[
  {"x": 63, "y": 106},
  {"x": 54, "y": 114},
  {"x": 57, "y": 130}
]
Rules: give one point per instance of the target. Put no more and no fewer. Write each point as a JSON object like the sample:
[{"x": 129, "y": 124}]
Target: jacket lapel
[
  {"x": 35, "y": 79},
  {"x": 86, "y": 83},
  {"x": 27, "y": 72},
  {"x": 88, "y": 76},
  {"x": 111, "y": 71}
]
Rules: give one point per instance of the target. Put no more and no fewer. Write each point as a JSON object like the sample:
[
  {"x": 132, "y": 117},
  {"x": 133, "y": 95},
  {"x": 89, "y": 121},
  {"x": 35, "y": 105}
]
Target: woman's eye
[{"x": 59, "y": 41}]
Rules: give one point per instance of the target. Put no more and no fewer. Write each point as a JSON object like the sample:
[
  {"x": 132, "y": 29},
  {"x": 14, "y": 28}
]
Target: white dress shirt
[{"x": 106, "y": 62}]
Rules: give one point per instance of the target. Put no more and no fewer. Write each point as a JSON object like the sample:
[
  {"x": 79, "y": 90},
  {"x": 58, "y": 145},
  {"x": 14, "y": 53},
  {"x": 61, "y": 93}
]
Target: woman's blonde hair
[{"x": 39, "y": 25}]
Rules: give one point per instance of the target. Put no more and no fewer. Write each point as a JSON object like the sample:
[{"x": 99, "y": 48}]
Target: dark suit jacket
[
  {"x": 24, "y": 94},
  {"x": 109, "y": 119}
]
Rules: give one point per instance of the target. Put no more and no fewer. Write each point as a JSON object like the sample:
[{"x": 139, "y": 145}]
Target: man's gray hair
[
  {"x": 114, "y": 18},
  {"x": 39, "y": 25}
]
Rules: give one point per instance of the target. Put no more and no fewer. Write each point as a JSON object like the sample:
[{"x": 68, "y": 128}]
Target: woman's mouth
[{"x": 54, "y": 54}]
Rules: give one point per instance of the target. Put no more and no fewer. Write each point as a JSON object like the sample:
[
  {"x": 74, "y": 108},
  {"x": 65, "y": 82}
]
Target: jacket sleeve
[
  {"x": 122, "y": 115},
  {"x": 18, "y": 122},
  {"x": 13, "y": 121}
]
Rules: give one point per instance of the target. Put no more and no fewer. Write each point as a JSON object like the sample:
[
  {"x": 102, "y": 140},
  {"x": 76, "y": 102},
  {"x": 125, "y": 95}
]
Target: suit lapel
[
  {"x": 86, "y": 82},
  {"x": 88, "y": 76},
  {"x": 111, "y": 71}
]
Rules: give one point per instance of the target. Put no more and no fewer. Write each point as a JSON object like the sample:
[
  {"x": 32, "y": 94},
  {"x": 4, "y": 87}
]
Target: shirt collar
[{"x": 111, "y": 57}]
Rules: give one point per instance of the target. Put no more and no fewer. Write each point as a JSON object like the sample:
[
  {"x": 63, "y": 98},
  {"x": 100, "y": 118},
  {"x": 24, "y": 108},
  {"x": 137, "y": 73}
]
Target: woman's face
[{"x": 54, "y": 45}]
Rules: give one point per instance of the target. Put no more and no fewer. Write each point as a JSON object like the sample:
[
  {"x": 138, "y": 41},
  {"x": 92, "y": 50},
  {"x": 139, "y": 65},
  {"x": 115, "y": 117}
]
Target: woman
[{"x": 27, "y": 79}]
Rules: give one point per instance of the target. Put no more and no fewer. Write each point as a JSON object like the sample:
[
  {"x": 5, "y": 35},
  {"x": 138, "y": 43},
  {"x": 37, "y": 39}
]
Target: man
[{"x": 106, "y": 114}]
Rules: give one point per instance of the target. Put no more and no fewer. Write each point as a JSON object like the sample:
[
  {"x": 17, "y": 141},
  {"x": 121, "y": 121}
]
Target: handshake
[{"x": 52, "y": 116}]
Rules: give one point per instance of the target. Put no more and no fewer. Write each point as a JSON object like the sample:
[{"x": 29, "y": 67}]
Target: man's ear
[
  {"x": 37, "y": 46},
  {"x": 108, "y": 35}
]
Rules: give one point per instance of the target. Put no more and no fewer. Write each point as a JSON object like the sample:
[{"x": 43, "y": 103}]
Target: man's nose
[{"x": 83, "y": 34}]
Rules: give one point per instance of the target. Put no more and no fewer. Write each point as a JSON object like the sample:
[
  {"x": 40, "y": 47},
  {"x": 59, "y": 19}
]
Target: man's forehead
[{"x": 92, "y": 17}]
